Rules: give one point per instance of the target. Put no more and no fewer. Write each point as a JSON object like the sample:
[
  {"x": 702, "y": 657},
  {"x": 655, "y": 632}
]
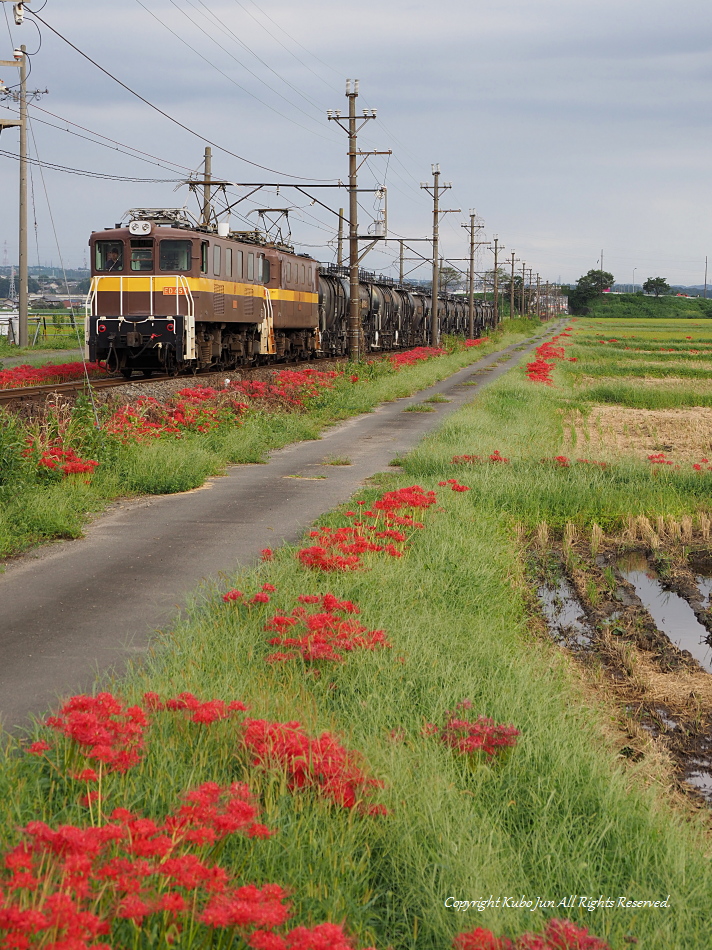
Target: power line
[
  {"x": 166, "y": 114},
  {"x": 89, "y": 174}
]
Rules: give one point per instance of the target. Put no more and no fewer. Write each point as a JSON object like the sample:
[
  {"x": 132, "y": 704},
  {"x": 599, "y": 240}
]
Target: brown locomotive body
[{"x": 167, "y": 295}]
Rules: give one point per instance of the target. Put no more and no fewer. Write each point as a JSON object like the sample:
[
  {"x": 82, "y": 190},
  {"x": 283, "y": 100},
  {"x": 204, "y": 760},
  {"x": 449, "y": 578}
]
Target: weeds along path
[{"x": 81, "y": 607}]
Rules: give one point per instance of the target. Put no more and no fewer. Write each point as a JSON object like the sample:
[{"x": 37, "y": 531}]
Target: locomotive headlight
[{"x": 140, "y": 227}]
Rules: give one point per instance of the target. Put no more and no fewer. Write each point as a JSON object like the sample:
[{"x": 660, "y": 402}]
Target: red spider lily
[
  {"x": 322, "y": 634},
  {"x": 233, "y": 595},
  {"x": 205, "y": 712},
  {"x": 66, "y": 461},
  {"x": 321, "y": 937},
  {"x": 103, "y": 729},
  {"x": 659, "y": 459},
  {"x": 27, "y": 375},
  {"x": 465, "y": 459},
  {"x": 497, "y": 457},
  {"x": 482, "y": 735},
  {"x": 411, "y": 357},
  {"x": 260, "y": 598},
  {"x": 266, "y": 554},
  {"x": 321, "y": 763},
  {"x": 37, "y": 748},
  {"x": 557, "y": 935},
  {"x": 479, "y": 342}
]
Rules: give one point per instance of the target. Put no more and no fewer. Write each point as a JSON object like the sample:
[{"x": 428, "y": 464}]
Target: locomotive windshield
[
  {"x": 109, "y": 256},
  {"x": 175, "y": 255},
  {"x": 142, "y": 254}
]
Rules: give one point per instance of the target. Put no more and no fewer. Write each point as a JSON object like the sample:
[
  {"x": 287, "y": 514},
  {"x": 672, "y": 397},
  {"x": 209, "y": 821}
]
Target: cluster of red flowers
[
  {"x": 206, "y": 712},
  {"x": 482, "y": 735},
  {"x": 26, "y": 375},
  {"x": 321, "y": 763},
  {"x": 496, "y": 456},
  {"x": 235, "y": 596},
  {"x": 539, "y": 370},
  {"x": 557, "y": 935},
  {"x": 190, "y": 410},
  {"x": 289, "y": 388},
  {"x": 479, "y": 342},
  {"x": 341, "y": 549},
  {"x": 659, "y": 459},
  {"x": 321, "y": 634},
  {"x": 410, "y": 357},
  {"x": 66, "y": 461},
  {"x": 454, "y": 485},
  {"x": 103, "y": 728}
]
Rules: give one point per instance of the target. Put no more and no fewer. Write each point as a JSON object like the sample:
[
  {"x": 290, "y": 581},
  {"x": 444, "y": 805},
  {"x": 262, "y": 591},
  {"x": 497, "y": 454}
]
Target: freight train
[{"x": 169, "y": 295}]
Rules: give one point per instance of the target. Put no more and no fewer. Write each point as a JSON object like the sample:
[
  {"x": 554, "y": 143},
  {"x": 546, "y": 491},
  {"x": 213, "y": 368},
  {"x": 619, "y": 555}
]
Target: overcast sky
[{"x": 571, "y": 127}]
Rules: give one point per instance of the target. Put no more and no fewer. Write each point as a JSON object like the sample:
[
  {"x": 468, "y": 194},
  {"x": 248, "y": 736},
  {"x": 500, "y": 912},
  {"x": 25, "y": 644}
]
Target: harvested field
[{"x": 684, "y": 435}]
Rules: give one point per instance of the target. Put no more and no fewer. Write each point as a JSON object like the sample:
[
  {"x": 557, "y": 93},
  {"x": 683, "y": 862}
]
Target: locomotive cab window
[
  {"x": 228, "y": 262},
  {"x": 203, "y": 257},
  {"x": 175, "y": 255},
  {"x": 216, "y": 260},
  {"x": 142, "y": 254},
  {"x": 250, "y": 266},
  {"x": 238, "y": 264},
  {"x": 108, "y": 256},
  {"x": 265, "y": 271}
]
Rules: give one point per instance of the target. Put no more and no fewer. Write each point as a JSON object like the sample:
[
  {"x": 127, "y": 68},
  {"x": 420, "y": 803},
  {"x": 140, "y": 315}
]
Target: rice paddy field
[{"x": 386, "y": 736}]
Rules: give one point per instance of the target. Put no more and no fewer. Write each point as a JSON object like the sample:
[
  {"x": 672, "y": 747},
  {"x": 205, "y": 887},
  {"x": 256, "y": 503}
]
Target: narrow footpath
[{"x": 75, "y": 609}]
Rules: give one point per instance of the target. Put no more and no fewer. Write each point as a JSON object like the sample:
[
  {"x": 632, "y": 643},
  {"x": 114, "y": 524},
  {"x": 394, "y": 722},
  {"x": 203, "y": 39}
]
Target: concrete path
[{"x": 72, "y": 609}]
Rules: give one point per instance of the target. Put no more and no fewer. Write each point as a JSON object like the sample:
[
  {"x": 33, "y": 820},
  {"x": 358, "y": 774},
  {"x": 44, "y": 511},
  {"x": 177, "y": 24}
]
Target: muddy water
[
  {"x": 671, "y": 613},
  {"x": 564, "y": 614}
]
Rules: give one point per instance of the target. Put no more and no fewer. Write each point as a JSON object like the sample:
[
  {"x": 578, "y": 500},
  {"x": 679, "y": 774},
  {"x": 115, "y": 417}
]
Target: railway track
[{"x": 34, "y": 393}]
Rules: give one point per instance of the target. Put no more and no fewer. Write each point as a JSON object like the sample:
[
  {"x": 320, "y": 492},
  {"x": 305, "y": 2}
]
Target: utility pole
[
  {"x": 546, "y": 298},
  {"x": 495, "y": 282},
  {"x": 207, "y": 181},
  {"x": 538, "y": 298},
  {"x": 705, "y": 276},
  {"x": 522, "y": 299},
  {"x": 472, "y": 227},
  {"x": 21, "y": 97},
  {"x": 437, "y": 190},
  {"x": 511, "y": 291},
  {"x": 340, "y": 243},
  {"x": 352, "y": 129}
]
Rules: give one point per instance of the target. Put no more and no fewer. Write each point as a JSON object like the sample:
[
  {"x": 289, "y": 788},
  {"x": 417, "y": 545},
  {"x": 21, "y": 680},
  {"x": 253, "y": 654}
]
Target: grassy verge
[
  {"x": 34, "y": 508},
  {"x": 561, "y": 814}
]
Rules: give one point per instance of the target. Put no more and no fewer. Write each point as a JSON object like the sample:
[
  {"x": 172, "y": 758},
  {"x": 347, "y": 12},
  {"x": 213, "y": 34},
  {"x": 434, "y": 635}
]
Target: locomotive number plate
[{"x": 173, "y": 291}]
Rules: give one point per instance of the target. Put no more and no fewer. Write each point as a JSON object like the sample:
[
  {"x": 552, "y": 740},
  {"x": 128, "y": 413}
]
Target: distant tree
[
  {"x": 449, "y": 280},
  {"x": 656, "y": 285},
  {"x": 83, "y": 286},
  {"x": 588, "y": 288}
]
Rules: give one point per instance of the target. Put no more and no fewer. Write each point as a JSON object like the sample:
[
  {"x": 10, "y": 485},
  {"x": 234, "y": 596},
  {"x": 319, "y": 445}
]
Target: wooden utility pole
[
  {"x": 511, "y": 291},
  {"x": 436, "y": 190},
  {"x": 340, "y": 242}
]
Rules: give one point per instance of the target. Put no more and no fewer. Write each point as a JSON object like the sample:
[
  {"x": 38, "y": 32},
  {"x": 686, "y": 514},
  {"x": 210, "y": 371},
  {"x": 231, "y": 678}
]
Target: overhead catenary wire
[
  {"x": 167, "y": 115},
  {"x": 224, "y": 74}
]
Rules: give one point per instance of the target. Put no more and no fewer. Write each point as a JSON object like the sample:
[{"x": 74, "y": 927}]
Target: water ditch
[
  {"x": 639, "y": 596},
  {"x": 672, "y": 614}
]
